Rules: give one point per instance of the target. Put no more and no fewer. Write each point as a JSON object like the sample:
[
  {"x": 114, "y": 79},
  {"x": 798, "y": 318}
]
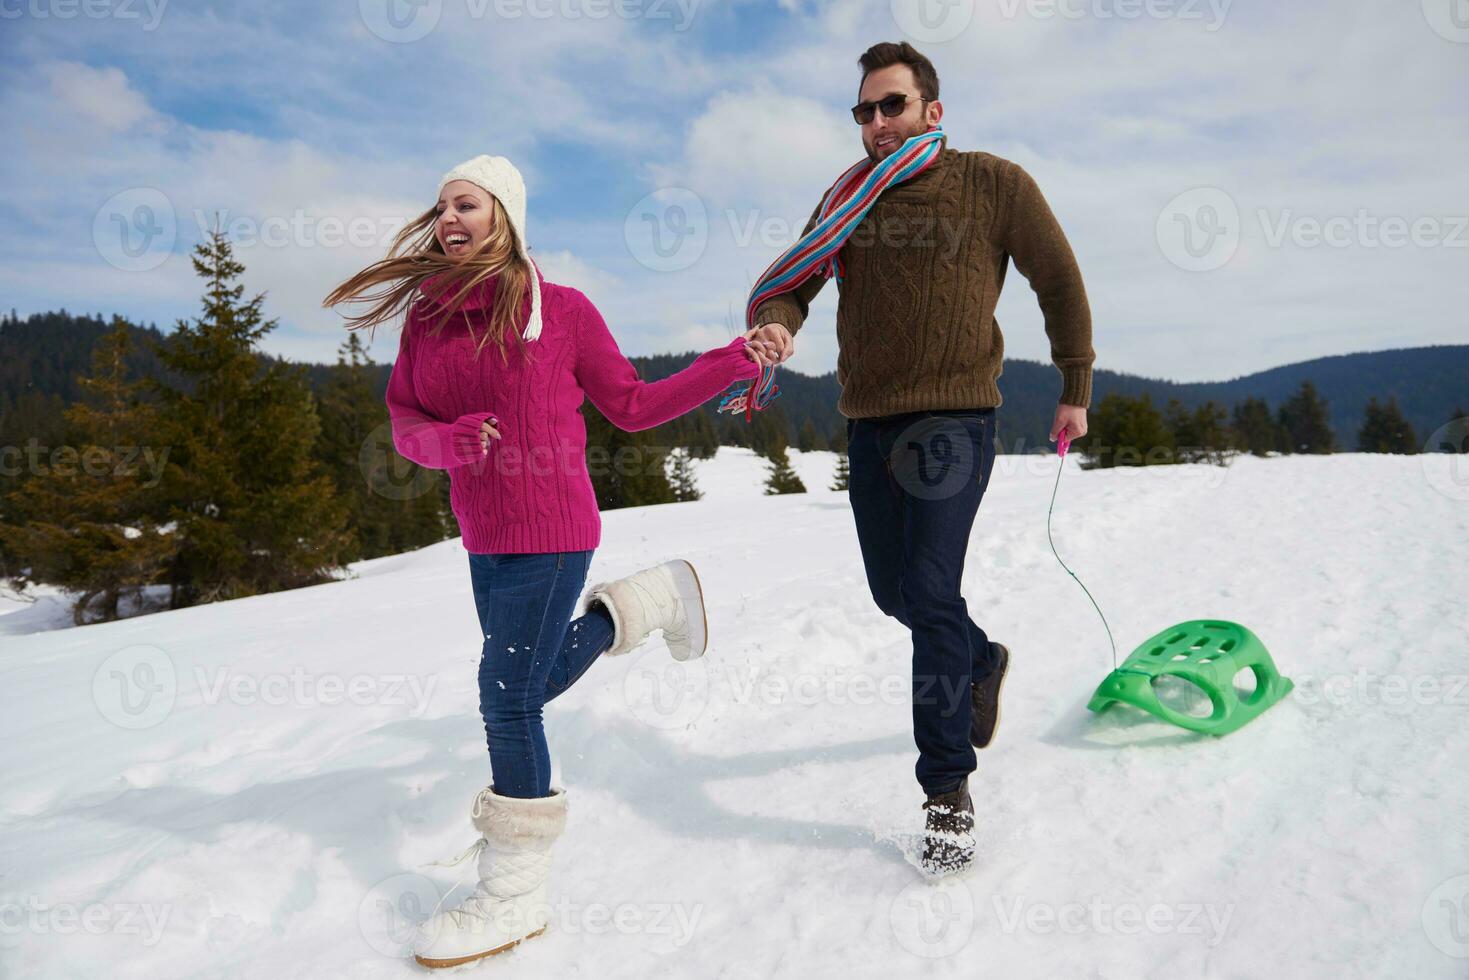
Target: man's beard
[{"x": 917, "y": 129}]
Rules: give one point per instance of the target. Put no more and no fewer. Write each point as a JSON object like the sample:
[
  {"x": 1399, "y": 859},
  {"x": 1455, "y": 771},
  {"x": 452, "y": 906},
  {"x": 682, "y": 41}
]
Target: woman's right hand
[
  {"x": 489, "y": 430},
  {"x": 777, "y": 340},
  {"x": 762, "y": 352}
]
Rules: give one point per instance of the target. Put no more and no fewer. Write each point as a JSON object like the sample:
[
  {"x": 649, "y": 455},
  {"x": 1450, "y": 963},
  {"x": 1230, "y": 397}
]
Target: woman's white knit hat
[{"x": 498, "y": 176}]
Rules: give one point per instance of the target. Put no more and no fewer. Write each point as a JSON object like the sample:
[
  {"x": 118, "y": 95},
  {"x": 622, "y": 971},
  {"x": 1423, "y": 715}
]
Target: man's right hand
[{"x": 776, "y": 338}]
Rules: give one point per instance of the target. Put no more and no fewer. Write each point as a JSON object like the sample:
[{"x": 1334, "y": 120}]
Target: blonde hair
[{"x": 416, "y": 255}]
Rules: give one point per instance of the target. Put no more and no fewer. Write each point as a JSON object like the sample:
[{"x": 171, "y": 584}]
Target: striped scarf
[{"x": 843, "y": 207}]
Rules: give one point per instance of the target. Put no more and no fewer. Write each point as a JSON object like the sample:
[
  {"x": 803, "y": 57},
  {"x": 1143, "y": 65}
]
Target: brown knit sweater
[{"x": 916, "y": 325}]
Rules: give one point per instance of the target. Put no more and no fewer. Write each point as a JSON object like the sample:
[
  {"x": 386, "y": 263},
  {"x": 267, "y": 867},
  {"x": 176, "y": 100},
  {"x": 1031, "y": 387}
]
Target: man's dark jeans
[{"x": 915, "y": 486}]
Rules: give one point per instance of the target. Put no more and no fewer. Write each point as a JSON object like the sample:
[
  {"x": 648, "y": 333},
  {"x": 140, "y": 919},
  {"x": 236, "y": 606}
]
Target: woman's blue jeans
[{"x": 532, "y": 652}]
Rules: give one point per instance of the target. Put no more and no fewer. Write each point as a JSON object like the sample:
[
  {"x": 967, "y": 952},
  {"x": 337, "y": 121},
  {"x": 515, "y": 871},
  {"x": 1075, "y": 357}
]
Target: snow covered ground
[{"x": 251, "y": 788}]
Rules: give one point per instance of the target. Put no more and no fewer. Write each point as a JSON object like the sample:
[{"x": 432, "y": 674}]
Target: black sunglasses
[{"x": 891, "y": 106}]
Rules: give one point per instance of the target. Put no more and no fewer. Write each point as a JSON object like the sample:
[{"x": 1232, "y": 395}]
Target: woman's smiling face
[{"x": 465, "y": 218}]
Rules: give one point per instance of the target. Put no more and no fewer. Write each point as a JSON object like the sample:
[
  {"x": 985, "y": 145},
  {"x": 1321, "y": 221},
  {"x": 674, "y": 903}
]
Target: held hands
[
  {"x": 1072, "y": 418},
  {"x": 769, "y": 344}
]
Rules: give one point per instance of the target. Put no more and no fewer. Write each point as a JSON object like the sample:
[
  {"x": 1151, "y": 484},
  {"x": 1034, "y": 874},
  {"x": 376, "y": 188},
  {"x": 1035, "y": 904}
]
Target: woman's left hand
[{"x": 762, "y": 352}]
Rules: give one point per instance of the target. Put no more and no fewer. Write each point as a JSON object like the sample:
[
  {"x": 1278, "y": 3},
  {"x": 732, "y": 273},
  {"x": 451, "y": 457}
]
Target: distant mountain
[
  {"x": 41, "y": 355},
  {"x": 1428, "y": 382},
  {"x": 44, "y": 353}
]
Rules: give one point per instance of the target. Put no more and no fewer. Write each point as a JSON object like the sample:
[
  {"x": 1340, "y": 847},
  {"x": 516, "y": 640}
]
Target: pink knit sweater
[{"x": 532, "y": 491}]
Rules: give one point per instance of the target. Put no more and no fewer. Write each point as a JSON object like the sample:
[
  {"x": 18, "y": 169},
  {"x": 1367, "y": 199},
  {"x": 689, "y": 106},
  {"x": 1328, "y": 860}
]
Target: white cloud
[
  {"x": 760, "y": 146},
  {"x": 1311, "y": 109},
  {"x": 1320, "y": 110},
  {"x": 99, "y": 96},
  {"x": 561, "y": 266}
]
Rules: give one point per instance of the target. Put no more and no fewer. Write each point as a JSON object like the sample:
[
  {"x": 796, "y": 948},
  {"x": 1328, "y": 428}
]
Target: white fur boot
[
  {"x": 666, "y": 597},
  {"x": 509, "y": 904}
]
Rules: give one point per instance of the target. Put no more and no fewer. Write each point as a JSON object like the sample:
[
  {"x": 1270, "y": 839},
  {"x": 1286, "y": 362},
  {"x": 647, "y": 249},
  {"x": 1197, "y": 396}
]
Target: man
[{"x": 919, "y": 354}]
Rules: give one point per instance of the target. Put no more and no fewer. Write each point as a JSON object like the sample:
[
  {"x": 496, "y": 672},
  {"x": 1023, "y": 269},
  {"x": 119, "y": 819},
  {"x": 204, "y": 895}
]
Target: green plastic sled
[{"x": 1208, "y": 652}]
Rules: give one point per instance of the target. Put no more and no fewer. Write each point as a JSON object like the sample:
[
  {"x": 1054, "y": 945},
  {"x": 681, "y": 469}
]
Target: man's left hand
[
  {"x": 775, "y": 338},
  {"x": 1072, "y": 418}
]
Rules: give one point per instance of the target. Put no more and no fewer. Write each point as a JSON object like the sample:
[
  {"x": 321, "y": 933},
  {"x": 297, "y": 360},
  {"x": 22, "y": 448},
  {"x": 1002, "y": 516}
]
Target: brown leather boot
[
  {"x": 984, "y": 713},
  {"x": 948, "y": 844}
]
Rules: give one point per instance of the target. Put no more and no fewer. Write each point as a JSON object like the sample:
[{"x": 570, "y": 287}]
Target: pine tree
[
  {"x": 1255, "y": 428},
  {"x": 769, "y": 432},
  {"x": 842, "y": 478},
  {"x": 681, "y": 476},
  {"x": 808, "y": 439},
  {"x": 676, "y": 433},
  {"x": 734, "y": 431},
  {"x": 33, "y": 425},
  {"x": 1385, "y": 430},
  {"x": 253, "y": 512},
  {"x": 769, "y": 439},
  {"x": 838, "y": 440},
  {"x": 780, "y": 477},
  {"x": 692, "y": 431},
  {"x": 91, "y": 512},
  {"x": 392, "y": 506},
  {"x": 702, "y": 442},
  {"x": 1126, "y": 432},
  {"x": 1304, "y": 420},
  {"x": 1455, "y": 437},
  {"x": 627, "y": 468},
  {"x": 1200, "y": 435}
]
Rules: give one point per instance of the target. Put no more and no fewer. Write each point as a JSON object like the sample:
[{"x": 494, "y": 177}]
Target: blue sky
[{"x": 1244, "y": 184}]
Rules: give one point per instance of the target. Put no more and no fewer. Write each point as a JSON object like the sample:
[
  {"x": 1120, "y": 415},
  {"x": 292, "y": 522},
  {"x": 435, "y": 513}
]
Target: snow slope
[{"x": 251, "y": 788}]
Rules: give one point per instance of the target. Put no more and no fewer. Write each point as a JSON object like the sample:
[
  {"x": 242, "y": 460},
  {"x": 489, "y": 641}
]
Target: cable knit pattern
[
  {"x": 531, "y": 493},
  {"x": 916, "y": 324}
]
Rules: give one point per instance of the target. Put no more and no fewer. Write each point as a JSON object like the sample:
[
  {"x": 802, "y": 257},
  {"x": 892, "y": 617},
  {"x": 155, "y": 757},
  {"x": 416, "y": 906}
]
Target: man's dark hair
[{"x": 889, "y": 53}]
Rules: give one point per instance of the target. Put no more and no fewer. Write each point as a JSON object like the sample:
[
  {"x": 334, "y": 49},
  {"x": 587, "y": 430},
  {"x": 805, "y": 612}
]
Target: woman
[{"x": 505, "y": 425}]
